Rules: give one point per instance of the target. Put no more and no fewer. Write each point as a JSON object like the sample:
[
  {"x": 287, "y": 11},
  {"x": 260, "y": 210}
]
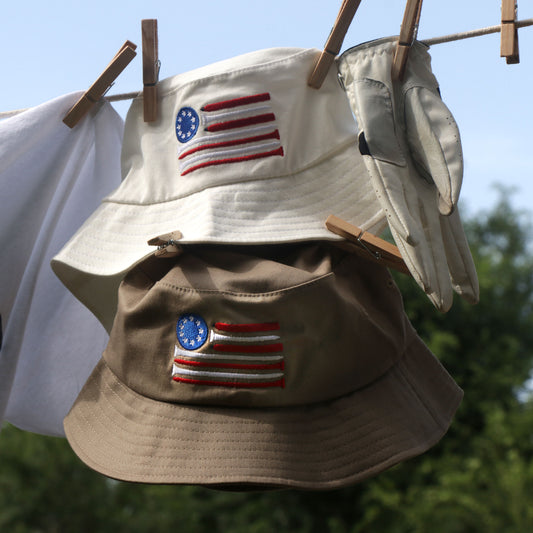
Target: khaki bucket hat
[{"x": 277, "y": 366}]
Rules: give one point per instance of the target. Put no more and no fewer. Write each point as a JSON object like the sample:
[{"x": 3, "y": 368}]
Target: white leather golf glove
[{"x": 412, "y": 150}]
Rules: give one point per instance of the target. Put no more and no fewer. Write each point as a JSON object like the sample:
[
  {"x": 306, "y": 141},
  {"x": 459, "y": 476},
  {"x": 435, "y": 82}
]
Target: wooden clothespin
[
  {"x": 408, "y": 31},
  {"x": 334, "y": 43},
  {"x": 101, "y": 85},
  {"x": 368, "y": 246},
  {"x": 509, "y": 32},
  {"x": 150, "y": 68}
]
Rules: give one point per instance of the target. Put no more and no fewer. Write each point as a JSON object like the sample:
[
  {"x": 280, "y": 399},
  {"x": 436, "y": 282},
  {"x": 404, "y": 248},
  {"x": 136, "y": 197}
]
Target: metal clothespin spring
[
  {"x": 340, "y": 79},
  {"x": 376, "y": 255},
  {"x": 168, "y": 243}
]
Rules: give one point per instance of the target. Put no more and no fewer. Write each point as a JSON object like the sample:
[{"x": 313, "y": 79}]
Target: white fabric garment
[{"x": 51, "y": 179}]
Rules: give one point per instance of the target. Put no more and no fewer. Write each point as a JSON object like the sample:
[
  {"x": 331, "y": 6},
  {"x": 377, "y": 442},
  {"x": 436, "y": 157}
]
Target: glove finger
[
  {"x": 372, "y": 105},
  {"x": 427, "y": 259},
  {"x": 460, "y": 262},
  {"x": 440, "y": 290},
  {"x": 417, "y": 235},
  {"x": 435, "y": 144},
  {"x": 421, "y": 262},
  {"x": 390, "y": 184}
]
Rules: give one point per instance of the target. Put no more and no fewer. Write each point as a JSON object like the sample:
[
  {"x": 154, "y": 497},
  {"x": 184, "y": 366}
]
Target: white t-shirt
[{"x": 51, "y": 179}]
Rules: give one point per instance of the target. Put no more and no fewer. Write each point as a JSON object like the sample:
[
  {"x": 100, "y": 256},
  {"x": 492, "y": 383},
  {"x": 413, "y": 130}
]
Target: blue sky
[{"x": 56, "y": 47}]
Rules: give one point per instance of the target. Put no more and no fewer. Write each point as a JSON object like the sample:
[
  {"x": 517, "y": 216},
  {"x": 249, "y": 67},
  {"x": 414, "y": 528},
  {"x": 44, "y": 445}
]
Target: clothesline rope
[
  {"x": 474, "y": 33},
  {"x": 430, "y": 42}
]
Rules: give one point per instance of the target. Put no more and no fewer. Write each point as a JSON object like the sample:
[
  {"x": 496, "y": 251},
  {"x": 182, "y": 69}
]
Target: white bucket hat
[{"x": 243, "y": 152}]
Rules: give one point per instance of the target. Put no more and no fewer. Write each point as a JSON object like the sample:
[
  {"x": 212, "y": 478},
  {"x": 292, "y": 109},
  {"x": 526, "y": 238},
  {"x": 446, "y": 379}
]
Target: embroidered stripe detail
[
  {"x": 233, "y": 384},
  {"x": 236, "y": 102},
  {"x": 235, "y": 142},
  {"x": 228, "y": 154},
  {"x": 226, "y": 136},
  {"x": 218, "y": 337},
  {"x": 276, "y": 152},
  {"x": 245, "y": 348},
  {"x": 234, "y": 366},
  {"x": 224, "y": 357},
  {"x": 228, "y": 116},
  {"x": 241, "y": 123},
  {"x": 178, "y": 353},
  {"x": 247, "y": 328},
  {"x": 228, "y": 375}
]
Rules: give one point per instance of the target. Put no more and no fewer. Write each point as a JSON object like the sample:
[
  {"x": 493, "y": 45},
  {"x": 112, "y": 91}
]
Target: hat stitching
[
  {"x": 228, "y": 474},
  {"x": 198, "y": 421},
  {"x": 286, "y": 465},
  {"x": 362, "y": 429},
  {"x": 213, "y": 78},
  {"x": 195, "y": 410},
  {"x": 132, "y": 209},
  {"x": 345, "y": 146},
  {"x": 261, "y": 461},
  {"x": 273, "y": 293},
  {"x": 98, "y": 241}
]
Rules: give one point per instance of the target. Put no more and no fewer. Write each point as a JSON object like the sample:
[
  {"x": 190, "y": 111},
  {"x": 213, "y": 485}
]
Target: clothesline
[
  {"x": 474, "y": 33},
  {"x": 430, "y": 42}
]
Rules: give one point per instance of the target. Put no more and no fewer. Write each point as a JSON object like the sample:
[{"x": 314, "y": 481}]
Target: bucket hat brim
[{"x": 324, "y": 446}]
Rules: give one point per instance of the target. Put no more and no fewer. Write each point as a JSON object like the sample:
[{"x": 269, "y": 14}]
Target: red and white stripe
[
  {"x": 232, "y": 131},
  {"x": 237, "y": 355}
]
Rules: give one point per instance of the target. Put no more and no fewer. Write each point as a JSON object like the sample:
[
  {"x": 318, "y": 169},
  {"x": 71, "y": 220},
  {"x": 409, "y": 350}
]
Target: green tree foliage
[{"x": 479, "y": 478}]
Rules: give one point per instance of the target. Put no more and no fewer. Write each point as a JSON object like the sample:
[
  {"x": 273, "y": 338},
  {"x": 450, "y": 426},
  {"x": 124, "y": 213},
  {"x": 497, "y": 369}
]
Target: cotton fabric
[
  {"x": 265, "y": 367},
  {"x": 51, "y": 179},
  {"x": 225, "y": 186}
]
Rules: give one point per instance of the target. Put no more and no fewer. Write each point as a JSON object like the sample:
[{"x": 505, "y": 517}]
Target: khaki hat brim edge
[{"x": 328, "y": 445}]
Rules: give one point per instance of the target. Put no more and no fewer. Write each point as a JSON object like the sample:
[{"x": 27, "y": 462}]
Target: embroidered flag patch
[
  {"x": 228, "y": 355},
  {"x": 229, "y": 131}
]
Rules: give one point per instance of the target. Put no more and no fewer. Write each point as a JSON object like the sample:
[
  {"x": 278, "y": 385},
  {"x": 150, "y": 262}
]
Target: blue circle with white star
[
  {"x": 187, "y": 122},
  {"x": 192, "y": 331}
]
